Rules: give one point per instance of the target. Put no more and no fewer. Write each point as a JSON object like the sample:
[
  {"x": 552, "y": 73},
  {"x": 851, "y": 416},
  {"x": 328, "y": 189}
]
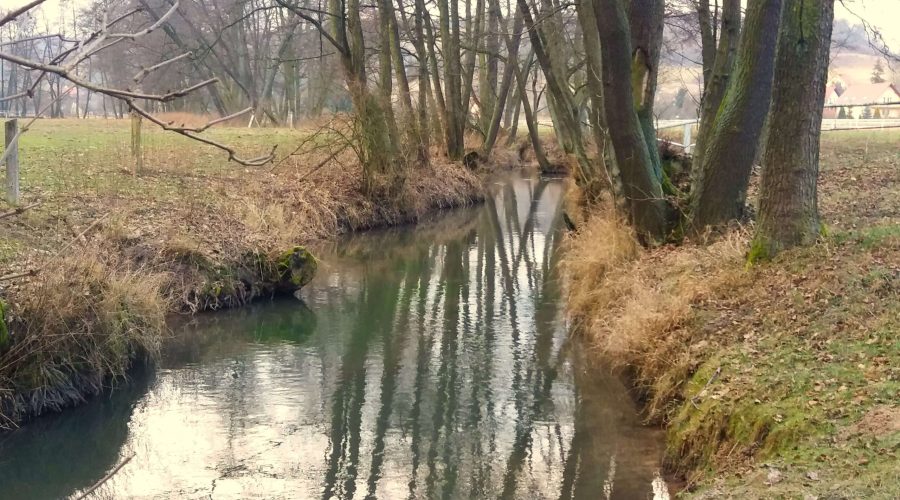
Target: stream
[{"x": 428, "y": 361}]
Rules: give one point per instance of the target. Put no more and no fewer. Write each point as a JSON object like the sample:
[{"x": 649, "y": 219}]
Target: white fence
[
  {"x": 859, "y": 124},
  {"x": 687, "y": 127}
]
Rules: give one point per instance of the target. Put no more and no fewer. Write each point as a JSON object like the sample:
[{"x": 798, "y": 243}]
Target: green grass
[
  {"x": 822, "y": 354},
  {"x": 808, "y": 345},
  {"x": 80, "y": 170},
  {"x": 93, "y": 157}
]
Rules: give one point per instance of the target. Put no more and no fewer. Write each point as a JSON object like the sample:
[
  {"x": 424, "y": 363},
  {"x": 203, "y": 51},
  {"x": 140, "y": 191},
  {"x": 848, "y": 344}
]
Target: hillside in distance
[{"x": 853, "y": 60}]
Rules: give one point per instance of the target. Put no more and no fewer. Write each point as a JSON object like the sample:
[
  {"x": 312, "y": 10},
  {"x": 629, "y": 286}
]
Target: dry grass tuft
[
  {"x": 631, "y": 303},
  {"x": 82, "y": 321},
  {"x": 773, "y": 364},
  {"x": 603, "y": 244},
  {"x": 270, "y": 224}
]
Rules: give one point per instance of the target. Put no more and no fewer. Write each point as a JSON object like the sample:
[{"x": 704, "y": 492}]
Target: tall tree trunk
[
  {"x": 788, "y": 208},
  {"x": 487, "y": 81},
  {"x": 720, "y": 186},
  {"x": 439, "y": 116},
  {"x": 560, "y": 98},
  {"x": 642, "y": 190},
  {"x": 455, "y": 118},
  {"x": 716, "y": 81},
  {"x": 413, "y": 140},
  {"x": 646, "y": 23},
  {"x": 475, "y": 28},
  {"x": 707, "y": 40},
  {"x": 374, "y": 142},
  {"x": 512, "y": 131},
  {"x": 596, "y": 113},
  {"x": 424, "y": 94},
  {"x": 493, "y": 125},
  {"x": 385, "y": 75},
  {"x": 530, "y": 116}
]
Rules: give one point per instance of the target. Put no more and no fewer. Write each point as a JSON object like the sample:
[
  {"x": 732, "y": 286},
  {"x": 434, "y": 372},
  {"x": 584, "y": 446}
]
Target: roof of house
[{"x": 867, "y": 93}]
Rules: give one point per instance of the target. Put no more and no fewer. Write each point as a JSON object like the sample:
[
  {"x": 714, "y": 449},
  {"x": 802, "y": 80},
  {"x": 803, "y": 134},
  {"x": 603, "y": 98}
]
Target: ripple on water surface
[{"x": 423, "y": 362}]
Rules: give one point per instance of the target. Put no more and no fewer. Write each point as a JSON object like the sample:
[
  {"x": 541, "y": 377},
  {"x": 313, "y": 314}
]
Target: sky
[{"x": 883, "y": 14}]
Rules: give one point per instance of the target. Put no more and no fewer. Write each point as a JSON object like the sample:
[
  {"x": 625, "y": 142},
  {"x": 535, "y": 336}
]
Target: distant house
[
  {"x": 832, "y": 93},
  {"x": 870, "y": 100}
]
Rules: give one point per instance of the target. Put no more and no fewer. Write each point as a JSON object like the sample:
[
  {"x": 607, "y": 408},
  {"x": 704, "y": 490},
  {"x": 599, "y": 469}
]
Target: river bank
[
  {"x": 102, "y": 256},
  {"x": 778, "y": 380},
  {"x": 424, "y": 361}
]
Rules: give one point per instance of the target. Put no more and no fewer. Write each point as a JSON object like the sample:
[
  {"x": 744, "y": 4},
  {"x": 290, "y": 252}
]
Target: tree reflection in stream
[{"x": 428, "y": 362}]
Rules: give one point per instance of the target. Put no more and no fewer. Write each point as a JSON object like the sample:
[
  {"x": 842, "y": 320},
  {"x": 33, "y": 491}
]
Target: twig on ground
[
  {"x": 30, "y": 272},
  {"x": 708, "y": 382},
  {"x": 106, "y": 477},
  {"x": 81, "y": 235},
  {"x": 18, "y": 210}
]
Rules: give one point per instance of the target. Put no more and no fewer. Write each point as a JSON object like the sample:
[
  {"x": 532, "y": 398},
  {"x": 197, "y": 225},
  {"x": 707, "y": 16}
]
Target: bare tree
[{"x": 66, "y": 65}]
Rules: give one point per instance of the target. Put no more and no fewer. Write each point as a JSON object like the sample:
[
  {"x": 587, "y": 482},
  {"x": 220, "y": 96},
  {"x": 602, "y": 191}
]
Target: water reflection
[{"x": 426, "y": 363}]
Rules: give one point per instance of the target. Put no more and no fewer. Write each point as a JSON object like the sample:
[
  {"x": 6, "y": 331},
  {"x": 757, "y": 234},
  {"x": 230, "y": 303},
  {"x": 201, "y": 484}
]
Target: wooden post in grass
[
  {"x": 12, "y": 162},
  {"x": 686, "y": 138},
  {"x": 137, "y": 150}
]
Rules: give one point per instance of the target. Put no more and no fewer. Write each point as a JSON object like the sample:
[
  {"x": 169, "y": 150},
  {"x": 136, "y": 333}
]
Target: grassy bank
[
  {"x": 774, "y": 381},
  {"x": 102, "y": 255}
]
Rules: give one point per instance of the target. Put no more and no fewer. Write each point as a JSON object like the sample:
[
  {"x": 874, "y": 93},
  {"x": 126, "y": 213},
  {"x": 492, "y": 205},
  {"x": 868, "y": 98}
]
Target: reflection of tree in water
[
  {"x": 224, "y": 334},
  {"x": 462, "y": 315},
  {"x": 57, "y": 454},
  {"x": 441, "y": 365}
]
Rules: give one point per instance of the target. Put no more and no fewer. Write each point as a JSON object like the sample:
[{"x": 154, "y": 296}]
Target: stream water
[{"x": 423, "y": 362}]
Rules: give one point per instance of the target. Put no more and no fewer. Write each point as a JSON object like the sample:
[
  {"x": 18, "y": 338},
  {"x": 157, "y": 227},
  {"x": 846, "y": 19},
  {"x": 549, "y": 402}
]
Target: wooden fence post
[
  {"x": 686, "y": 139},
  {"x": 137, "y": 150},
  {"x": 12, "y": 161}
]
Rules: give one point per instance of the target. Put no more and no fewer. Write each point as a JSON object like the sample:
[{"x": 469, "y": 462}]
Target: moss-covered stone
[{"x": 296, "y": 268}]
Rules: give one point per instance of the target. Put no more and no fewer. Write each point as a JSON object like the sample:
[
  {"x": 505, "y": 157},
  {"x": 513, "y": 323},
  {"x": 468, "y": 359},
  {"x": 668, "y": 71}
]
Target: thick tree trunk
[
  {"x": 720, "y": 186},
  {"x": 641, "y": 188},
  {"x": 646, "y": 22},
  {"x": 596, "y": 113},
  {"x": 716, "y": 81},
  {"x": 788, "y": 209}
]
